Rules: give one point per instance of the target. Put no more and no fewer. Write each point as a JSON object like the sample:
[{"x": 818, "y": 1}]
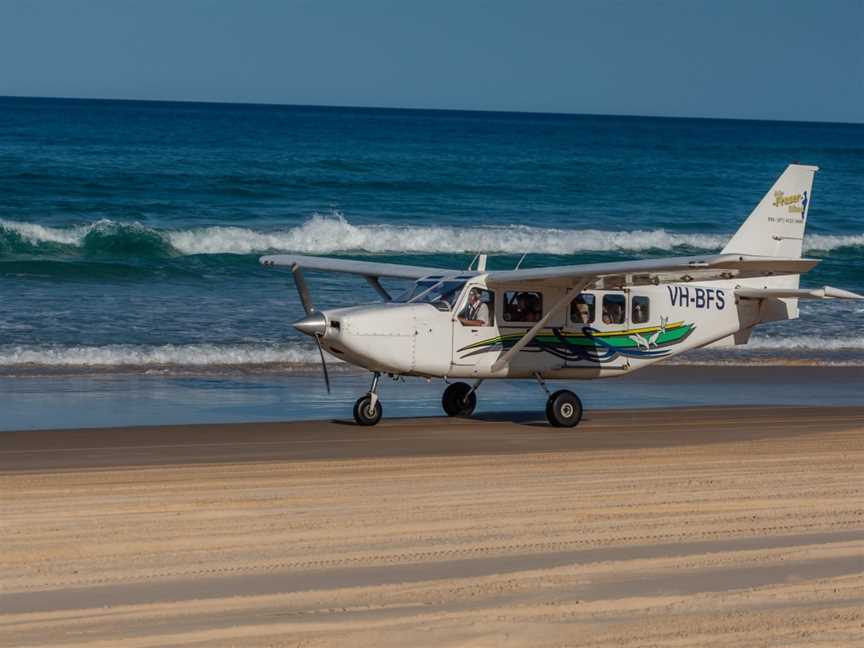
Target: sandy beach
[{"x": 687, "y": 527}]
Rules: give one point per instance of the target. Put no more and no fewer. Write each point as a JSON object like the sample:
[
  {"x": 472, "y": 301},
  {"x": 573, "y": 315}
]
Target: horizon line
[{"x": 416, "y": 109}]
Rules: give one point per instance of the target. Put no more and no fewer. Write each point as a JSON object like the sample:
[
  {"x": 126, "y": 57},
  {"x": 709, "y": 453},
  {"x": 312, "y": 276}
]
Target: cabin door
[{"x": 474, "y": 330}]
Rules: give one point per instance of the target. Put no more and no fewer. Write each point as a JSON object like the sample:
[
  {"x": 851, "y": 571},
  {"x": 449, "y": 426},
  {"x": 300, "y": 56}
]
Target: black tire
[
  {"x": 362, "y": 414},
  {"x": 564, "y": 409},
  {"x": 456, "y": 400}
]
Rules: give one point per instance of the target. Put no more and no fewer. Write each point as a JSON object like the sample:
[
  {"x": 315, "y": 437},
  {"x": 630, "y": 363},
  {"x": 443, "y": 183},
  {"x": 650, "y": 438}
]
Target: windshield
[
  {"x": 442, "y": 295},
  {"x": 415, "y": 289}
]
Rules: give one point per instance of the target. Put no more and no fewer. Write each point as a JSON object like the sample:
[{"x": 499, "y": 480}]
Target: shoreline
[
  {"x": 124, "y": 400},
  {"x": 334, "y": 365}
]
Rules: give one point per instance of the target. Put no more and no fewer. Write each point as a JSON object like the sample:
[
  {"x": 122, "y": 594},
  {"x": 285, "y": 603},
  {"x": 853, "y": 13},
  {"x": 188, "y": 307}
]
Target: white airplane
[{"x": 568, "y": 322}]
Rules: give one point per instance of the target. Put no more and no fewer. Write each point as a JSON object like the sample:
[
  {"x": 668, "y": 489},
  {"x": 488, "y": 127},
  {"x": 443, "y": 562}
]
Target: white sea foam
[
  {"x": 130, "y": 355},
  {"x": 829, "y": 242},
  {"x": 322, "y": 235},
  {"x": 333, "y": 234},
  {"x": 806, "y": 343},
  {"x": 33, "y": 233}
]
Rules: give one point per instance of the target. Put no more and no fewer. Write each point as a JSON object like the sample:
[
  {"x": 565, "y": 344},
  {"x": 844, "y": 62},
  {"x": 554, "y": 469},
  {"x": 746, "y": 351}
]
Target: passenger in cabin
[
  {"x": 476, "y": 311},
  {"x": 522, "y": 306},
  {"x": 582, "y": 309},
  {"x": 514, "y": 307},
  {"x": 520, "y": 312},
  {"x": 612, "y": 313},
  {"x": 583, "y": 312},
  {"x": 534, "y": 308}
]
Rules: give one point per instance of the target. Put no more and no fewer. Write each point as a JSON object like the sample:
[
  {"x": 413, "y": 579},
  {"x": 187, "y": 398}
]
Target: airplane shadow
[{"x": 528, "y": 418}]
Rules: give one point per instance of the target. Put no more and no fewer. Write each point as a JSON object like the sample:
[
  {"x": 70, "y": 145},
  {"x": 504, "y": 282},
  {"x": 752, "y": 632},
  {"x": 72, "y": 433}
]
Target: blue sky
[{"x": 754, "y": 59}]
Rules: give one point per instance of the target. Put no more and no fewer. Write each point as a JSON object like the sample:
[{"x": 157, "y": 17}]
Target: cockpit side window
[{"x": 479, "y": 308}]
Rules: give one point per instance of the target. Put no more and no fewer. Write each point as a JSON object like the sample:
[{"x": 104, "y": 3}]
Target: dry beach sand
[{"x": 687, "y": 527}]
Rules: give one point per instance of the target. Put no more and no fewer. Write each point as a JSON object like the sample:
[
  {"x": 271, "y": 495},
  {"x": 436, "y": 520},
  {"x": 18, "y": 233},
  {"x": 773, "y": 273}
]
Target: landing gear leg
[
  {"x": 368, "y": 409},
  {"x": 460, "y": 399},
  {"x": 563, "y": 408}
]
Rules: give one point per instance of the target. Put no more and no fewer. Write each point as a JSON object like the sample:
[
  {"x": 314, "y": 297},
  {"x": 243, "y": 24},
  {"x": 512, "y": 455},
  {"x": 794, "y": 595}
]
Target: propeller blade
[
  {"x": 309, "y": 307},
  {"x": 302, "y": 289},
  {"x": 323, "y": 363}
]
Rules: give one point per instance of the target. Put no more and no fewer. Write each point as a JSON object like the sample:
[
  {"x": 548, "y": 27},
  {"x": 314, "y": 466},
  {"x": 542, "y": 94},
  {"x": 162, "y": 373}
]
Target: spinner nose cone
[{"x": 314, "y": 324}]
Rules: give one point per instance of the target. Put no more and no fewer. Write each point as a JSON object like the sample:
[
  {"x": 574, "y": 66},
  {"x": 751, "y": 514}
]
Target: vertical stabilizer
[{"x": 776, "y": 226}]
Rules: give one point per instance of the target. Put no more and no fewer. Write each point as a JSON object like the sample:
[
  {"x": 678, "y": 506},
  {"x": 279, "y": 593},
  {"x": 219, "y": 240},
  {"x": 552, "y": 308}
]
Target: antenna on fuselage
[{"x": 521, "y": 259}]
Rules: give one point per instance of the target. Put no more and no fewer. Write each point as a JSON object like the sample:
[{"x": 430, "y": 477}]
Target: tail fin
[{"x": 776, "y": 226}]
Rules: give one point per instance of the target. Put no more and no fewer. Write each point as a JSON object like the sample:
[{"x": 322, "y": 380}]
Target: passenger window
[
  {"x": 582, "y": 309},
  {"x": 641, "y": 310},
  {"x": 479, "y": 309},
  {"x": 613, "y": 309},
  {"x": 522, "y": 306}
]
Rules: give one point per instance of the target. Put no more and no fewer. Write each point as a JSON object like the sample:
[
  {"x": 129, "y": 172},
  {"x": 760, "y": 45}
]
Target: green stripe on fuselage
[{"x": 620, "y": 339}]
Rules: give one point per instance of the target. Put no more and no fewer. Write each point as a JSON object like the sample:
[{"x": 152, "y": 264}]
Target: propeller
[
  {"x": 314, "y": 323},
  {"x": 323, "y": 363}
]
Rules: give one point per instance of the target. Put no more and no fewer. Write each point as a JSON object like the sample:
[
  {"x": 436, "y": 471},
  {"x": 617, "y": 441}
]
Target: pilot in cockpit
[{"x": 476, "y": 311}]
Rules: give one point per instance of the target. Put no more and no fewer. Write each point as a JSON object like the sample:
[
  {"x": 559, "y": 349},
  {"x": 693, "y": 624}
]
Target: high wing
[
  {"x": 657, "y": 271},
  {"x": 364, "y": 268},
  {"x": 616, "y": 274}
]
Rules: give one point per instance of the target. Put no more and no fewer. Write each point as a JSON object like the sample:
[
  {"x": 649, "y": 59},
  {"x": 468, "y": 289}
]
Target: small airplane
[{"x": 574, "y": 322}]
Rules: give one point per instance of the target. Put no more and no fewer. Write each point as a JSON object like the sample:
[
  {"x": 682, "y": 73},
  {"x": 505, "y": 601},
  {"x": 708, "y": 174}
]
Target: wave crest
[
  {"x": 166, "y": 355},
  {"x": 334, "y": 234},
  {"x": 102, "y": 236},
  {"x": 203, "y": 356},
  {"x": 805, "y": 343}
]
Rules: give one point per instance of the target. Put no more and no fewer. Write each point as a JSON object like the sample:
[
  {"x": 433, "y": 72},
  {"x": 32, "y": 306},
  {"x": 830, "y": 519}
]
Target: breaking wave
[
  {"x": 134, "y": 356},
  {"x": 257, "y": 356},
  {"x": 805, "y": 343},
  {"x": 334, "y": 234}
]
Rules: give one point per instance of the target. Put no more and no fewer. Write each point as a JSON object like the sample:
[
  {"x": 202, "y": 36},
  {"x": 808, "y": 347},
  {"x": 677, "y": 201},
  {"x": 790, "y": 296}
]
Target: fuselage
[{"x": 600, "y": 333}]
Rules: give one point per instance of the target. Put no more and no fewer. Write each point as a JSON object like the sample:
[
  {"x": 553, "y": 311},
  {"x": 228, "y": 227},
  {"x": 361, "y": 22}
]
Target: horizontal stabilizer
[{"x": 801, "y": 293}]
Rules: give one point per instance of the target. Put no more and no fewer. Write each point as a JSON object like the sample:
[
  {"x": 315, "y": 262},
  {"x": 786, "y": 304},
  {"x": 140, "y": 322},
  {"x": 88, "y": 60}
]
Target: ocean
[{"x": 130, "y": 231}]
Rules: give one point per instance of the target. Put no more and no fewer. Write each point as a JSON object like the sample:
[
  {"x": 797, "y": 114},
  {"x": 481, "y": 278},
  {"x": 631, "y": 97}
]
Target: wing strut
[
  {"x": 505, "y": 359},
  {"x": 373, "y": 281}
]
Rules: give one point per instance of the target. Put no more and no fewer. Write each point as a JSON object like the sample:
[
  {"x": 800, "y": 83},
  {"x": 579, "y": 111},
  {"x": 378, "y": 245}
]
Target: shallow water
[{"x": 102, "y": 400}]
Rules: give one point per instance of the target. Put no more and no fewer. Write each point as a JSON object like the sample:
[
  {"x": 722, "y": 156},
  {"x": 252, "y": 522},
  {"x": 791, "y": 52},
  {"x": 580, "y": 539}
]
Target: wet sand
[{"x": 697, "y": 526}]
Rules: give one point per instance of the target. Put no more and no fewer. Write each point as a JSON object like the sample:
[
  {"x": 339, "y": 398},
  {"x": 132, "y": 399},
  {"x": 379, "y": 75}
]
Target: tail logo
[{"x": 796, "y": 203}]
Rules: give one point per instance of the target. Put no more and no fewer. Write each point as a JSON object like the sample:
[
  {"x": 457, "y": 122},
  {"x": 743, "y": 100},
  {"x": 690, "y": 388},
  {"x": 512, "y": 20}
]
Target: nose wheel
[
  {"x": 366, "y": 412},
  {"x": 368, "y": 409}
]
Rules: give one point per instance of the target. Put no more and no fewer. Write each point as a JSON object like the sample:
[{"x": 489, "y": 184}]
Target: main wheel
[
  {"x": 457, "y": 401},
  {"x": 364, "y": 414},
  {"x": 564, "y": 409}
]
